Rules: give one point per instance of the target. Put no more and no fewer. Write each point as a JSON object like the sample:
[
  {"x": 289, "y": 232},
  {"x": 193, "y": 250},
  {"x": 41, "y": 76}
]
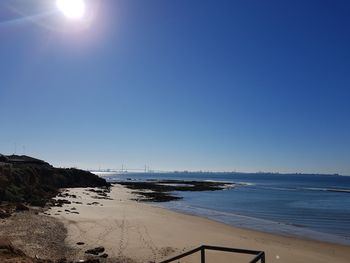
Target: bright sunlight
[{"x": 72, "y": 9}]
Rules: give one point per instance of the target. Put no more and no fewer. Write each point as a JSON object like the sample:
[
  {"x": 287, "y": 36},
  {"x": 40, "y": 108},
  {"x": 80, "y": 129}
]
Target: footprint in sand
[{"x": 147, "y": 241}]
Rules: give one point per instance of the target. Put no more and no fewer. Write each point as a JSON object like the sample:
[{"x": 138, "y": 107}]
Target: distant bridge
[{"x": 145, "y": 169}]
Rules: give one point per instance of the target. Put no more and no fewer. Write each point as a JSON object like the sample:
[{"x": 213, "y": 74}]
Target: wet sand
[{"x": 138, "y": 232}]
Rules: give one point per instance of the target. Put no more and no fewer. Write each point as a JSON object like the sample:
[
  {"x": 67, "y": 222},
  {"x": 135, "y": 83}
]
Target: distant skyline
[{"x": 178, "y": 85}]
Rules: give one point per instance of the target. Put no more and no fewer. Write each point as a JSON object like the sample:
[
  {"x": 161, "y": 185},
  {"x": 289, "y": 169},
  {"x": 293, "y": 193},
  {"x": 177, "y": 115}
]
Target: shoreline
[
  {"x": 139, "y": 232},
  {"x": 260, "y": 226},
  {"x": 134, "y": 232},
  {"x": 294, "y": 206},
  {"x": 164, "y": 193}
]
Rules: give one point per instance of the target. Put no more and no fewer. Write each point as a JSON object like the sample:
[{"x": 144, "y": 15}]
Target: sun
[{"x": 72, "y": 9}]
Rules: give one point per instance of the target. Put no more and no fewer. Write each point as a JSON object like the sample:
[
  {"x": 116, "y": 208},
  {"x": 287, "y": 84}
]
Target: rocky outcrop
[
  {"x": 95, "y": 251},
  {"x": 162, "y": 190},
  {"x": 4, "y": 213},
  {"x": 24, "y": 179}
]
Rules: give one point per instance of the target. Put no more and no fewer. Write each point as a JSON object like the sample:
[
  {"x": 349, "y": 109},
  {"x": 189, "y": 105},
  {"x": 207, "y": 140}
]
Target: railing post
[
  {"x": 203, "y": 255},
  {"x": 259, "y": 255}
]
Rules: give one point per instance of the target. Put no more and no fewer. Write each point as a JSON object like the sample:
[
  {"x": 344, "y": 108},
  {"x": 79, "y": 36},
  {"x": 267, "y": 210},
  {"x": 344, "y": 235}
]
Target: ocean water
[{"x": 308, "y": 206}]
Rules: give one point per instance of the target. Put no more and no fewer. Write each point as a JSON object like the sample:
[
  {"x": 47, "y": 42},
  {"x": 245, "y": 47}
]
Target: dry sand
[
  {"x": 139, "y": 232},
  {"x": 36, "y": 235}
]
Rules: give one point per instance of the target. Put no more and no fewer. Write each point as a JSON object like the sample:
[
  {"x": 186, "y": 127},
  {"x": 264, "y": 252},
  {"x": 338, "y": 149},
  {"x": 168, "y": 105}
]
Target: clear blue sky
[{"x": 179, "y": 84}]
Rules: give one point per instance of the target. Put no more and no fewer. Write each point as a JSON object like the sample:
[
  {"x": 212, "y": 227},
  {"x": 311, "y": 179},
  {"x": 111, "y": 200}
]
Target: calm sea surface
[{"x": 297, "y": 205}]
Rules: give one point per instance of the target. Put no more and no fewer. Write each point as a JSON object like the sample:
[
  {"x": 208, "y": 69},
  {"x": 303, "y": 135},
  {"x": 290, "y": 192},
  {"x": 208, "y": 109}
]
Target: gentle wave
[
  {"x": 338, "y": 190},
  {"x": 280, "y": 188},
  {"x": 234, "y": 219},
  {"x": 279, "y": 204}
]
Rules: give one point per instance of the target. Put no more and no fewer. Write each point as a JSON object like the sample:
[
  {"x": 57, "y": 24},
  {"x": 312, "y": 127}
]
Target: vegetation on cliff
[{"x": 24, "y": 179}]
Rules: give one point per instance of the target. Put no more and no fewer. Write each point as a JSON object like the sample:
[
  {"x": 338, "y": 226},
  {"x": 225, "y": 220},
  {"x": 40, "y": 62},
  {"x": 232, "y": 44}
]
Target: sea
[{"x": 313, "y": 207}]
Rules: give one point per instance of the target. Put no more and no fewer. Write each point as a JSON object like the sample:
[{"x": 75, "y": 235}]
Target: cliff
[{"x": 24, "y": 179}]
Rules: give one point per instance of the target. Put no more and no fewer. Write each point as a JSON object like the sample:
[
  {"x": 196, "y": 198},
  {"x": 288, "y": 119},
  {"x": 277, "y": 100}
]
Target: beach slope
[{"x": 139, "y": 232}]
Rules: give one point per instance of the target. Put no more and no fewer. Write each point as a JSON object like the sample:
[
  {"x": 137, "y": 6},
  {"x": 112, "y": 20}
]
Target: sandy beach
[{"x": 141, "y": 232}]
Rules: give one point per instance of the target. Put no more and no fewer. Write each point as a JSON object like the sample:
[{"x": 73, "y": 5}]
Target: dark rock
[
  {"x": 93, "y": 203},
  {"x": 104, "y": 255},
  {"x": 59, "y": 202},
  {"x": 4, "y": 213},
  {"x": 92, "y": 260},
  {"x": 21, "y": 207},
  {"x": 95, "y": 251},
  {"x": 80, "y": 243},
  {"x": 162, "y": 190}
]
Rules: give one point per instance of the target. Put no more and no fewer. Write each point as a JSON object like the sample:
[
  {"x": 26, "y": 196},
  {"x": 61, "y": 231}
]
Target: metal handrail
[{"x": 260, "y": 255}]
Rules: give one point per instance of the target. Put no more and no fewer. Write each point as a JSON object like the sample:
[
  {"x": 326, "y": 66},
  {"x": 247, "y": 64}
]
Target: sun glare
[{"x": 72, "y": 9}]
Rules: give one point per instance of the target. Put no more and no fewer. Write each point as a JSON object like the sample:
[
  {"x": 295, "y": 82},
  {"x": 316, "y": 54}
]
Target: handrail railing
[{"x": 259, "y": 255}]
